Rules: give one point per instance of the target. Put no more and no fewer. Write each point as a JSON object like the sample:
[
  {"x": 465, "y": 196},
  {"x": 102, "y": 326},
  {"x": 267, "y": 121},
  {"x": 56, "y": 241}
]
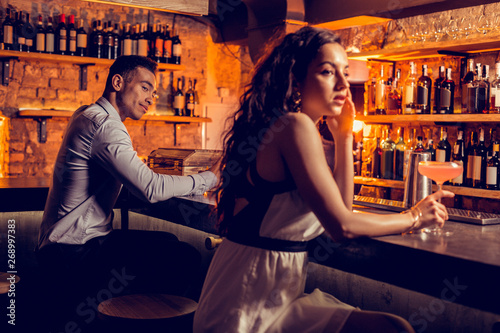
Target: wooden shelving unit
[
  {"x": 442, "y": 118},
  {"x": 33, "y": 56},
  {"x": 399, "y": 184},
  {"x": 37, "y": 113},
  {"x": 432, "y": 49}
]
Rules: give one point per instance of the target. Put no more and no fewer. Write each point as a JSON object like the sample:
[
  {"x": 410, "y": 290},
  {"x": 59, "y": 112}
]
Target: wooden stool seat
[
  {"x": 147, "y": 306},
  {"x": 5, "y": 282}
]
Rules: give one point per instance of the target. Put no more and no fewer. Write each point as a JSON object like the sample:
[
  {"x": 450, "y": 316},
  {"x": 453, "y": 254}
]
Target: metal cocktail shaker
[{"x": 417, "y": 186}]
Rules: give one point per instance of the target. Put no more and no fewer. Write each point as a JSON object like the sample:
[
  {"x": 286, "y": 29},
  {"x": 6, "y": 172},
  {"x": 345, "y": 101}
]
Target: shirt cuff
[{"x": 203, "y": 182}]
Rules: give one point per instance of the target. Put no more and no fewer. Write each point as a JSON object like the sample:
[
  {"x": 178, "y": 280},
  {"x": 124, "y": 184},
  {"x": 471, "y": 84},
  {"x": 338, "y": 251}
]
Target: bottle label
[
  {"x": 29, "y": 42},
  {"x": 50, "y": 43},
  {"x": 72, "y": 45},
  {"x": 62, "y": 44},
  {"x": 179, "y": 102},
  {"x": 470, "y": 166},
  {"x": 21, "y": 40},
  {"x": 8, "y": 34},
  {"x": 471, "y": 99},
  {"x": 408, "y": 95},
  {"x": 81, "y": 41},
  {"x": 445, "y": 98},
  {"x": 127, "y": 47},
  {"x": 190, "y": 106},
  {"x": 491, "y": 175},
  {"x": 134, "y": 47},
  {"x": 422, "y": 96},
  {"x": 159, "y": 48},
  {"x": 142, "y": 47},
  {"x": 456, "y": 149},
  {"x": 379, "y": 95},
  {"x": 177, "y": 50},
  {"x": 459, "y": 180},
  {"x": 476, "y": 168},
  {"x": 440, "y": 155},
  {"x": 40, "y": 42},
  {"x": 497, "y": 98},
  {"x": 167, "y": 48}
]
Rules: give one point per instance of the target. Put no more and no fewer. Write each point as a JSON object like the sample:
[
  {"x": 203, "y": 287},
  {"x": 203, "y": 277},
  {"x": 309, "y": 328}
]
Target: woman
[{"x": 278, "y": 192}]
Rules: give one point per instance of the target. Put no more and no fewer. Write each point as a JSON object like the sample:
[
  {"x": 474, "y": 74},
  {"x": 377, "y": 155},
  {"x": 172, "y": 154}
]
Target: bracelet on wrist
[{"x": 415, "y": 214}]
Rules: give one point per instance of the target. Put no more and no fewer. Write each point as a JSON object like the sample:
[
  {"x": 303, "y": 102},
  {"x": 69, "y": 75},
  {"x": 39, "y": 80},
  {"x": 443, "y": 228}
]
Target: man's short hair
[{"x": 126, "y": 65}]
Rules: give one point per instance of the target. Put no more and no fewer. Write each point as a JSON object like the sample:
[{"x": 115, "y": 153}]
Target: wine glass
[{"x": 439, "y": 172}]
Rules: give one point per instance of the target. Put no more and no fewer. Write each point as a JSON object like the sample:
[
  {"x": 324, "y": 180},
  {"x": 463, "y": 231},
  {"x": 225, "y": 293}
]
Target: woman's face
[{"x": 325, "y": 87}]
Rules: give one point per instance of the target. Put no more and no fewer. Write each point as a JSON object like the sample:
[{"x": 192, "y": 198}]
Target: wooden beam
[{"x": 188, "y": 7}]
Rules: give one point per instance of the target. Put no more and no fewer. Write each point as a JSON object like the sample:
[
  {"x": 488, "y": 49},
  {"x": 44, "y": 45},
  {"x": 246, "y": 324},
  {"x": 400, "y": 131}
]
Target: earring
[{"x": 297, "y": 101}]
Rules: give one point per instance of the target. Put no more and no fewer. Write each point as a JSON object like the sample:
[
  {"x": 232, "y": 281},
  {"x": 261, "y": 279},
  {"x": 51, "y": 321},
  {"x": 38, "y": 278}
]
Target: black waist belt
[{"x": 270, "y": 244}]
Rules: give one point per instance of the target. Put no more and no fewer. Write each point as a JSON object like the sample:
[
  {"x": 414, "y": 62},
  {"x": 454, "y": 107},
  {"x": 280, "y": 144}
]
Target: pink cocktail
[{"x": 440, "y": 171}]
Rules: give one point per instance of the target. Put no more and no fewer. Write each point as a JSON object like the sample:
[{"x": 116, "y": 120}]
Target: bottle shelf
[
  {"x": 57, "y": 58},
  {"x": 440, "y": 118},
  {"x": 429, "y": 50},
  {"x": 458, "y": 190},
  {"x": 66, "y": 114}
]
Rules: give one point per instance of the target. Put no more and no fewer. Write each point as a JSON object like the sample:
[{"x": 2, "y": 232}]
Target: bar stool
[{"x": 148, "y": 313}]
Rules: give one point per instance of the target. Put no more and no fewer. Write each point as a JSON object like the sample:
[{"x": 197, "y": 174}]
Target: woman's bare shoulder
[{"x": 293, "y": 122}]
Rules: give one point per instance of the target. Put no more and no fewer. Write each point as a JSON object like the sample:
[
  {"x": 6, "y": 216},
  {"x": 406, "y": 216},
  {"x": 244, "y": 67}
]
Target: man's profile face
[{"x": 136, "y": 94}]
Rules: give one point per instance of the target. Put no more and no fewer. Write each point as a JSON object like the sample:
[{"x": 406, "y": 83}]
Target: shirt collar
[{"x": 109, "y": 108}]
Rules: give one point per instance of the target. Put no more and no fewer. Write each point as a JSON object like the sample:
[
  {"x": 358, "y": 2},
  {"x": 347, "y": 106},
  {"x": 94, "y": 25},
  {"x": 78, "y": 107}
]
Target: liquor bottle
[
  {"x": 399, "y": 156},
  {"x": 394, "y": 95},
  {"x": 443, "y": 150},
  {"x": 387, "y": 162},
  {"x": 377, "y": 160},
  {"x": 437, "y": 89},
  {"x": 479, "y": 164},
  {"x": 493, "y": 140},
  {"x": 98, "y": 41},
  {"x": 143, "y": 42},
  {"x": 19, "y": 39},
  {"x": 466, "y": 83},
  {"x": 167, "y": 46},
  {"x": 470, "y": 159},
  {"x": 8, "y": 31},
  {"x": 179, "y": 100},
  {"x": 109, "y": 41},
  {"x": 430, "y": 149},
  {"x": 410, "y": 91},
  {"x": 447, "y": 94},
  {"x": 419, "y": 147},
  {"x": 116, "y": 41},
  {"x": 81, "y": 40},
  {"x": 135, "y": 38},
  {"x": 126, "y": 41},
  {"x": 486, "y": 84},
  {"x": 29, "y": 34},
  {"x": 62, "y": 35},
  {"x": 495, "y": 91},
  {"x": 158, "y": 45},
  {"x": 493, "y": 169},
  {"x": 40, "y": 35},
  {"x": 197, "y": 101},
  {"x": 459, "y": 158},
  {"x": 190, "y": 100},
  {"x": 477, "y": 93},
  {"x": 71, "y": 31},
  {"x": 380, "y": 93},
  {"x": 424, "y": 88},
  {"x": 176, "y": 49},
  {"x": 50, "y": 38}
]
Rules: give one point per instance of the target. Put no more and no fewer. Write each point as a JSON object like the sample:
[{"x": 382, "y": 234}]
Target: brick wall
[{"x": 38, "y": 84}]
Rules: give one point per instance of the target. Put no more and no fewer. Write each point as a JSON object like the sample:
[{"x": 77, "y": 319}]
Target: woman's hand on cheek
[{"x": 342, "y": 124}]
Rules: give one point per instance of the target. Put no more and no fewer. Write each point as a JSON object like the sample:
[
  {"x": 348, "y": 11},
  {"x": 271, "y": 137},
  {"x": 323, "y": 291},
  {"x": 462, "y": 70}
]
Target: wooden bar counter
[{"x": 462, "y": 269}]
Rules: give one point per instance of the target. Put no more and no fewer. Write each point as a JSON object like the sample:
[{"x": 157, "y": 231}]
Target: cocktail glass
[{"x": 439, "y": 172}]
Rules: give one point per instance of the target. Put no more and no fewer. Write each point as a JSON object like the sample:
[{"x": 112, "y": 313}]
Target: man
[{"x": 96, "y": 157}]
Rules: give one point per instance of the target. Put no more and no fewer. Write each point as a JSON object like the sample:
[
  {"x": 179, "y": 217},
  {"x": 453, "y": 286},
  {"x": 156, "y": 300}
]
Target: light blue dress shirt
[{"x": 96, "y": 157}]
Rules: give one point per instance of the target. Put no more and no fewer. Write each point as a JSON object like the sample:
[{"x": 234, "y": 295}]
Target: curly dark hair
[{"x": 268, "y": 96}]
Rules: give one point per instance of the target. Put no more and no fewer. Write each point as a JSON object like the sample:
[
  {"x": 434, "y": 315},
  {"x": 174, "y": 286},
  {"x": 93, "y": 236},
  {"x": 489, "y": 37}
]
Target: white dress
[{"x": 249, "y": 289}]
